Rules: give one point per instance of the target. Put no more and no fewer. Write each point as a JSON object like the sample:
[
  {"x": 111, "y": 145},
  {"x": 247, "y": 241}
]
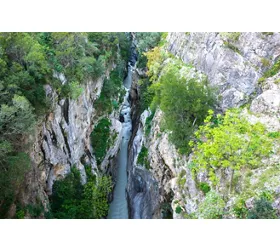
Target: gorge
[{"x": 140, "y": 125}]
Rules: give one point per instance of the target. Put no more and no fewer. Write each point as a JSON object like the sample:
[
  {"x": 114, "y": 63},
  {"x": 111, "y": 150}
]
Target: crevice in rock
[
  {"x": 65, "y": 110},
  {"x": 65, "y": 140}
]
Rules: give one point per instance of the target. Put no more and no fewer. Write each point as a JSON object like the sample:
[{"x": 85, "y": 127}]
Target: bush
[
  {"x": 71, "y": 90},
  {"x": 212, "y": 207},
  {"x": 178, "y": 209},
  {"x": 72, "y": 200},
  {"x": 35, "y": 210},
  {"x": 20, "y": 214},
  {"x": 100, "y": 139},
  {"x": 66, "y": 195},
  {"x": 231, "y": 143},
  {"x": 112, "y": 92},
  {"x": 262, "y": 210},
  {"x": 146, "y": 41},
  {"x": 143, "y": 157},
  {"x": 240, "y": 209},
  {"x": 204, "y": 187},
  {"x": 148, "y": 123}
]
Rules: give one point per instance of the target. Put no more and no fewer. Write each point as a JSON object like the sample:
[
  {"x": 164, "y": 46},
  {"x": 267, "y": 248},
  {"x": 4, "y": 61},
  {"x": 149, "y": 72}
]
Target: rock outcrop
[{"x": 234, "y": 66}]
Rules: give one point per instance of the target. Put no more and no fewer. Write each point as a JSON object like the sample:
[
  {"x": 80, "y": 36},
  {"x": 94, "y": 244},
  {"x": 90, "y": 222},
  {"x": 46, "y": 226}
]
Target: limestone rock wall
[
  {"x": 63, "y": 141},
  {"x": 234, "y": 70},
  {"x": 235, "y": 73}
]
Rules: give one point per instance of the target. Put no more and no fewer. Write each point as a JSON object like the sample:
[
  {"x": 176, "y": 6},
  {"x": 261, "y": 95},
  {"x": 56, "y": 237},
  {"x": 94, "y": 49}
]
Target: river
[{"x": 118, "y": 207}]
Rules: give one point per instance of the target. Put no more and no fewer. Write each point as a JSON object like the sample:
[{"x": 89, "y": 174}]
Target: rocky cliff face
[
  {"x": 234, "y": 67},
  {"x": 63, "y": 141}
]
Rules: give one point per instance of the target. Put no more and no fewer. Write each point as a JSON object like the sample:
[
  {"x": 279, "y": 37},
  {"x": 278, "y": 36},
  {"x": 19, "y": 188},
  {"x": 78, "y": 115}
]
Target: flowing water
[{"x": 118, "y": 208}]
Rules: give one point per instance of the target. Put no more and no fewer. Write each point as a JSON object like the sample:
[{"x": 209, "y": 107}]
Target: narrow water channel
[{"x": 118, "y": 208}]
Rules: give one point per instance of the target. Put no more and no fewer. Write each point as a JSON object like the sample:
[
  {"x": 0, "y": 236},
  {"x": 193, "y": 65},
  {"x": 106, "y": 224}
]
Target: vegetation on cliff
[
  {"x": 29, "y": 61},
  {"x": 72, "y": 200}
]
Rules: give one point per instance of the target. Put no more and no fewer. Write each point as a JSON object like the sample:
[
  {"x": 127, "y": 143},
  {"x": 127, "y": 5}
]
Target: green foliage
[
  {"x": 181, "y": 179},
  {"x": 100, "y": 139},
  {"x": 66, "y": 195},
  {"x": 212, "y": 207},
  {"x": 72, "y": 200},
  {"x": 274, "y": 135},
  {"x": 240, "y": 210},
  {"x": 16, "y": 119},
  {"x": 146, "y": 95},
  {"x": 112, "y": 92},
  {"x": 156, "y": 57},
  {"x": 12, "y": 171},
  {"x": 204, "y": 187},
  {"x": 185, "y": 104},
  {"x": 267, "y": 33},
  {"x": 148, "y": 123},
  {"x": 35, "y": 211},
  {"x": 143, "y": 157},
  {"x": 273, "y": 70},
  {"x": 178, "y": 209},
  {"x": 29, "y": 61},
  {"x": 71, "y": 90},
  {"x": 232, "y": 143},
  {"x": 95, "y": 198},
  {"x": 146, "y": 41},
  {"x": 20, "y": 214},
  {"x": 262, "y": 210}
]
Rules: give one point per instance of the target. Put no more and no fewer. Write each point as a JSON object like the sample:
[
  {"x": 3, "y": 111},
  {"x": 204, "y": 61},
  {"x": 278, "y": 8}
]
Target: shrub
[
  {"x": 20, "y": 214},
  {"x": 94, "y": 204},
  {"x": 178, "y": 209},
  {"x": 232, "y": 143},
  {"x": 204, "y": 187},
  {"x": 71, "y": 90},
  {"x": 112, "y": 87},
  {"x": 143, "y": 157},
  {"x": 146, "y": 41},
  {"x": 35, "y": 210},
  {"x": 262, "y": 210},
  {"x": 148, "y": 123},
  {"x": 212, "y": 207},
  {"x": 66, "y": 195},
  {"x": 100, "y": 139},
  {"x": 72, "y": 200},
  {"x": 274, "y": 134},
  {"x": 240, "y": 209}
]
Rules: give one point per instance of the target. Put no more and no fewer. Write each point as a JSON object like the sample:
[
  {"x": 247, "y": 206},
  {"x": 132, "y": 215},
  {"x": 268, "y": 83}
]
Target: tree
[
  {"x": 66, "y": 196},
  {"x": 95, "y": 198},
  {"x": 229, "y": 141},
  {"x": 185, "y": 104},
  {"x": 16, "y": 119}
]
